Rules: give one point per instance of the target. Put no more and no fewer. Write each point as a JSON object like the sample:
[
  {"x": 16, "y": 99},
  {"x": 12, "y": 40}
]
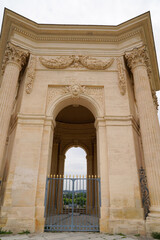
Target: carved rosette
[
  {"x": 14, "y": 54},
  {"x": 76, "y": 62},
  {"x": 155, "y": 99},
  {"x": 138, "y": 57},
  {"x": 121, "y": 77},
  {"x": 31, "y": 74}
]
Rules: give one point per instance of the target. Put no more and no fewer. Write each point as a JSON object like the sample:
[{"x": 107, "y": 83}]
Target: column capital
[
  {"x": 15, "y": 55},
  {"x": 138, "y": 57}
]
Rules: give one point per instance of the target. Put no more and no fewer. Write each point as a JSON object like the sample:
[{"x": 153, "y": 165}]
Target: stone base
[
  {"x": 123, "y": 220},
  {"x": 18, "y": 219},
  {"x": 104, "y": 225},
  {"x": 152, "y": 225},
  {"x": 127, "y": 227},
  {"x": 40, "y": 220},
  {"x": 19, "y": 225}
]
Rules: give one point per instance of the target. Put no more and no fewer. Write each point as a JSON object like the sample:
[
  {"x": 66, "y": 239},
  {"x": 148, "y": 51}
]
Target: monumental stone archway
[
  {"x": 74, "y": 127},
  {"x": 108, "y": 75}
]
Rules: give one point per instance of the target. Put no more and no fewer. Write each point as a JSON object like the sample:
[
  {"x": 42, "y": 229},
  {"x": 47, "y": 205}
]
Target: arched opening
[
  {"x": 74, "y": 127},
  {"x": 73, "y": 198},
  {"x": 75, "y": 162}
]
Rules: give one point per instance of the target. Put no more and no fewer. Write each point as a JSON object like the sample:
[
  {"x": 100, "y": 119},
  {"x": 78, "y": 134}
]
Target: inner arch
[
  {"x": 75, "y": 162},
  {"x": 74, "y": 128},
  {"x": 75, "y": 115}
]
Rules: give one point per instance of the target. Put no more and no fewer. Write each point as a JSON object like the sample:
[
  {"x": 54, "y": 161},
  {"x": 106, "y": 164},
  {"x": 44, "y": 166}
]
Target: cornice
[
  {"x": 50, "y": 33},
  {"x": 77, "y": 36}
]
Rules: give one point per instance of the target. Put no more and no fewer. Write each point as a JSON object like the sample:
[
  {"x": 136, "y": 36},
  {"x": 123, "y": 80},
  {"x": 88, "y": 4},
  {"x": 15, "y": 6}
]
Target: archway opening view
[
  {"x": 75, "y": 162},
  {"x": 73, "y": 200}
]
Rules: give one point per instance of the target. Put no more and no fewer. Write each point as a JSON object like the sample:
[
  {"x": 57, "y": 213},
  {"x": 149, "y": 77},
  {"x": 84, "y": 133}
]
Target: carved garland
[
  {"x": 121, "y": 76},
  {"x": 76, "y": 61},
  {"x": 31, "y": 74}
]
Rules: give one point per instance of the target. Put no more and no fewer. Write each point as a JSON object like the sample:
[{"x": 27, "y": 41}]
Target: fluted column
[
  {"x": 14, "y": 60},
  {"x": 138, "y": 62}
]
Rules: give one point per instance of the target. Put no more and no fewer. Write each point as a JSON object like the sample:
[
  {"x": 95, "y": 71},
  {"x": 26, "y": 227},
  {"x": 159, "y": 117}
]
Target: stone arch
[
  {"x": 70, "y": 145},
  {"x": 83, "y": 163},
  {"x": 87, "y": 101}
]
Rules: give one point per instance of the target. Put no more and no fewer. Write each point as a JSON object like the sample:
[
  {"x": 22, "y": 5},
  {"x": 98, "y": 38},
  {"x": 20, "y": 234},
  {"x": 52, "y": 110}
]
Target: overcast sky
[{"x": 97, "y": 12}]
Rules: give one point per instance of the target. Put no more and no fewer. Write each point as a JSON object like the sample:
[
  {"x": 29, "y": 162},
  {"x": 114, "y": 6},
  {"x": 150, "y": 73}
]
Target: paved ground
[{"x": 70, "y": 236}]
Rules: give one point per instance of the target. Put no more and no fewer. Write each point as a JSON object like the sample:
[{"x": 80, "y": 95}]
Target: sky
[
  {"x": 94, "y": 12},
  {"x": 75, "y": 162}
]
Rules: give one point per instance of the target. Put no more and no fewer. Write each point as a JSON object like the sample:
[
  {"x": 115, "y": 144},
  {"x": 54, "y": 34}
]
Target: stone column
[
  {"x": 14, "y": 59},
  {"x": 103, "y": 172},
  {"x": 138, "y": 62},
  {"x": 54, "y": 161}
]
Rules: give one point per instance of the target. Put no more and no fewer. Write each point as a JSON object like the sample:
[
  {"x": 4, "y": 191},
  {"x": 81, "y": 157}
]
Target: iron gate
[{"x": 72, "y": 204}]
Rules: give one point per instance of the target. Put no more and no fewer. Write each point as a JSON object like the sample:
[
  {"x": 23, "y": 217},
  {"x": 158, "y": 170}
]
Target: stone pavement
[{"x": 70, "y": 236}]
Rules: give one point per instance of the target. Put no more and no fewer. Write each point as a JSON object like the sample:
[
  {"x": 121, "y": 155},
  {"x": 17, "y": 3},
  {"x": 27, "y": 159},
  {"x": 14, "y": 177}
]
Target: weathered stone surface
[{"x": 83, "y": 68}]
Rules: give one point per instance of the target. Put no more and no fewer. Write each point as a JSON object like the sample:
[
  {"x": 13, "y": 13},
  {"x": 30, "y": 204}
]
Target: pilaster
[{"x": 103, "y": 172}]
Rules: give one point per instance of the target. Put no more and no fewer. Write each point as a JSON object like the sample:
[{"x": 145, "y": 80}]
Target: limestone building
[{"x": 88, "y": 86}]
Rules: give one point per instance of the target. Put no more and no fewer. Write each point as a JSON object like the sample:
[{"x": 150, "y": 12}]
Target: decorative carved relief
[
  {"x": 155, "y": 99},
  {"x": 121, "y": 76},
  {"x": 76, "y": 62},
  {"x": 96, "y": 93},
  {"x": 54, "y": 93},
  {"x": 31, "y": 74},
  {"x": 75, "y": 90},
  {"x": 14, "y": 54},
  {"x": 138, "y": 56},
  {"x": 94, "y": 63},
  {"x": 58, "y": 62}
]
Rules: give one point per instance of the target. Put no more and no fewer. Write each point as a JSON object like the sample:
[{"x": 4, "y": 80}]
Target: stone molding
[
  {"x": 103, "y": 37},
  {"x": 118, "y": 121},
  {"x": 121, "y": 77},
  {"x": 31, "y": 74},
  {"x": 31, "y": 119},
  {"x": 138, "y": 57},
  {"x": 14, "y": 54},
  {"x": 73, "y": 61},
  {"x": 75, "y": 90}
]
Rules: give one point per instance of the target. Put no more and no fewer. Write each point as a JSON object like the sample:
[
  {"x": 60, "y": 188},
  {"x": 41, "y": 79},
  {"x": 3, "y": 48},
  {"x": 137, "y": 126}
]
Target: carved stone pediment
[{"x": 62, "y": 62}]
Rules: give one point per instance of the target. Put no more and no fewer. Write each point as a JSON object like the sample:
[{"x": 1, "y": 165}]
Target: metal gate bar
[{"x": 72, "y": 204}]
